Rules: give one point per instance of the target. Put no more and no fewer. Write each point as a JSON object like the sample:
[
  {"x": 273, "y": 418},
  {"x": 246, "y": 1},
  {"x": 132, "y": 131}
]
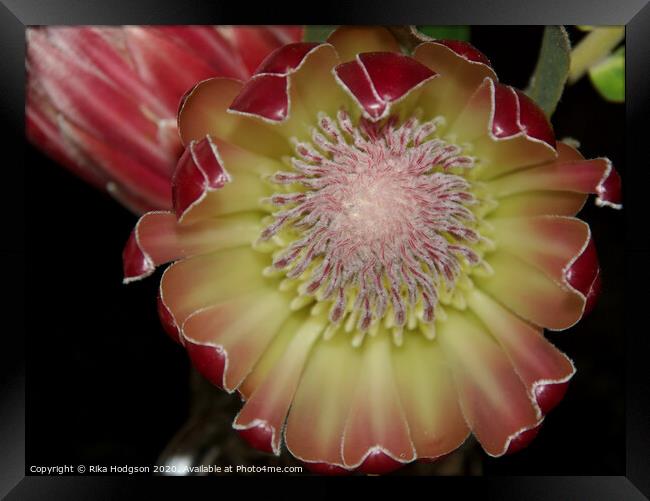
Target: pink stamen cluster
[{"x": 380, "y": 217}]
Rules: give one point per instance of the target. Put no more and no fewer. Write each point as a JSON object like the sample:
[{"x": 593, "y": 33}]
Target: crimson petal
[
  {"x": 506, "y": 111},
  {"x": 584, "y": 275},
  {"x": 209, "y": 361},
  {"x": 549, "y": 395},
  {"x": 378, "y": 463},
  {"x": 377, "y": 79},
  {"x": 521, "y": 440},
  {"x": 356, "y": 81},
  {"x": 609, "y": 191},
  {"x": 259, "y": 436},
  {"x": 515, "y": 112},
  {"x": 533, "y": 121},
  {"x": 136, "y": 264},
  {"x": 198, "y": 171},
  {"x": 265, "y": 96}
]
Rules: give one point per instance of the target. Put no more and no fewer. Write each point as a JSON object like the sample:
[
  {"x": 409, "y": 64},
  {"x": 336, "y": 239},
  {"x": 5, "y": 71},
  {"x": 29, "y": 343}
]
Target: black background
[{"x": 106, "y": 386}]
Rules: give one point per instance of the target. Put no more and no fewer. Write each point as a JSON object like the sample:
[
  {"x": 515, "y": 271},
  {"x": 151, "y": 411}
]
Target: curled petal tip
[
  {"x": 265, "y": 96},
  {"x": 198, "y": 171},
  {"x": 136, "y": 264},
  {"x": 260, "y": 436},
  {"x": 465, "y": 50},
  {"x": 377, "y": 79},
  {"x": 533, "y": 120},
  {"x": 210, "y": 361},
  {"x": 549, "y": 395},
  {"x": 378, "y": 463},
  {"x": 515, "y": 113},
  {"x": 505, "y": 122},
  {"x": 327, "y": 469},
  {"x": 521, "y": 440},
  {"x": 287, "y": 58},
  {"x": 167, "y": 321},
  {"x": 584, "y": 275},
  {"x": 609, "y": 191}
]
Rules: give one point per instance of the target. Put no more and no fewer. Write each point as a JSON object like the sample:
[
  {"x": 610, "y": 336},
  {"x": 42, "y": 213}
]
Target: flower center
[{"x": 378, "y": 224}]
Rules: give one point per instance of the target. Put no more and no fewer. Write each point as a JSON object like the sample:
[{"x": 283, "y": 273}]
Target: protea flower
[
  {"x": 367, "y": 246},
  {"x": 103, "y": 100}
]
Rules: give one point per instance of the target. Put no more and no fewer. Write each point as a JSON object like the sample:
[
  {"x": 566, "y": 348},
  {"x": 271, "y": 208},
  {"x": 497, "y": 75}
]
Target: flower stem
[{"x": 594, "y": 48}]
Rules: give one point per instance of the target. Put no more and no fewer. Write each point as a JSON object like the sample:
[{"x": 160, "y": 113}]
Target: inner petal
[{"x": 375, "y": 219}]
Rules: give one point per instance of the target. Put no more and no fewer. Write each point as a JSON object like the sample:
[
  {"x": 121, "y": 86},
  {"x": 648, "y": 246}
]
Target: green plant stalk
[
  {"x": 550, "y": 75},
  {"x": 594, "y": 48}
]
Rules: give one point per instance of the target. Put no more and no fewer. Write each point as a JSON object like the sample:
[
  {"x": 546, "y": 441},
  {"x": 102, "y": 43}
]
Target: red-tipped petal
[
  {"x": 264, "y": 96},
  {"x": 521, "y": 440},
  {"x": 377, "y": 79},
  {"x": 609, "y": 192},
  {"x": 198, "y": 171},
  {"x": 584, "y": 270},
  {"x": 269, "y": 403},
  {"x": 494, "y": 400},
  {"x": 135, "y": 263},
  {"x": 210, "y": 361},
  {"x": 259, "y": 436},
  {"x": 243, "y": 328},
  {"x": 465, "y": 50},
  {"x": 549, "y": 395},
  {"x": 378, "y": 463},
  {"x": 393, "y": 75},
  {"x": 358, "y": 84},
  {"x": 429, "y": 398},
  {"x": 531, "y": 292},
  {"x": 515, "y": 112},
  {"x": 506, "y": 112},
  {"x": 533, "y": 120},
  {"x": 544, "y": 370},
  {"x": 161, "y": 238},
  {"x": 284, "y": 59},
  {"x": 376, "y": 420},
  {"x": 167, "y": 321},
  {"x": 199, "y": 282}
]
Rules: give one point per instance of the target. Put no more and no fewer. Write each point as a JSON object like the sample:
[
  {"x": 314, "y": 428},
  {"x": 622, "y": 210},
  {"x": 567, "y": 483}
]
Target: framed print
[{"x": 402, "y": 239}]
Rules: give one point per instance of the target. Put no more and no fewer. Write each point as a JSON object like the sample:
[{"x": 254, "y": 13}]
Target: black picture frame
[{"x": 15, "y": 15}]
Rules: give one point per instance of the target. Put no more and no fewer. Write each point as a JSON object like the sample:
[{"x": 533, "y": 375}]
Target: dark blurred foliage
[{"x": 106, "y": 386}]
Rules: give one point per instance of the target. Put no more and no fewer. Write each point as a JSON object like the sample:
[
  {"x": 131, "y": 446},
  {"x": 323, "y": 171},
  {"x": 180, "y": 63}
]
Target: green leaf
[
  {"x": 609, "y": 76},
  {"x": 446, "y": 32},
  {"x": 550, "y": 75},
  {"x": 317, "y": 33}
]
